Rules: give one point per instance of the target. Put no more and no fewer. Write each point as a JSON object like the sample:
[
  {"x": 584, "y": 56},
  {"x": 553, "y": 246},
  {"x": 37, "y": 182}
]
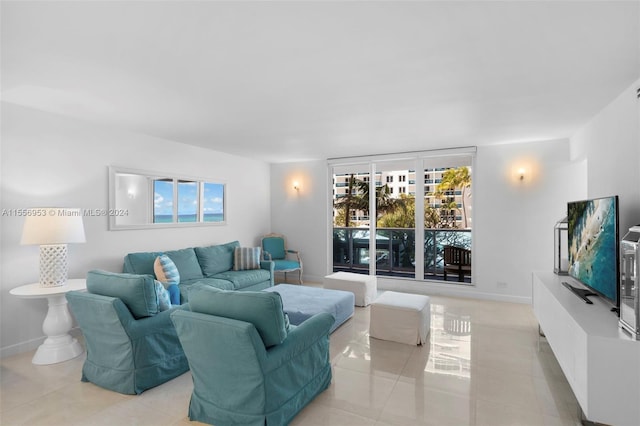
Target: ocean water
[{"x": 185, "y": 218}]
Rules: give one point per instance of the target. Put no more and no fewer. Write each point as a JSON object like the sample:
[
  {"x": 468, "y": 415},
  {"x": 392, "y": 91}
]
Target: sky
[{"x": 187, "y": 198}]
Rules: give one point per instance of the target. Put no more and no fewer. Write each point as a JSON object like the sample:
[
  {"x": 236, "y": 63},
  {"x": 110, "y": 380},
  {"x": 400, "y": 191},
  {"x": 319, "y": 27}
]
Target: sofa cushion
[
  {"x": 216, "y": 259},
  {"x": 187, "y": 263},
  {"x": 166, "y": 271},
  {"x": 141, "y": 263},
  {"x": 213, "y": 282},
  {"x": 242, "y": 279},
  {"x": 260, "y": 308},
  {"x": 138, "y": 292},
  {"x": 185, "y": 260},
  {"x": 245, "y": 258}
]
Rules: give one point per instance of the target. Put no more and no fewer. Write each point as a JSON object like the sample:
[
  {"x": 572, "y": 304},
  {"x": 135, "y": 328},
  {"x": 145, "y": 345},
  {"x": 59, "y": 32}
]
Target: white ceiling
[{"x": 285, "y": 81}]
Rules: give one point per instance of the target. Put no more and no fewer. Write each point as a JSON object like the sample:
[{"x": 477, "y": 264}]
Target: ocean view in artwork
[
  {"x": 592, "y": 245},
  {"x": 184, "y": 218}
]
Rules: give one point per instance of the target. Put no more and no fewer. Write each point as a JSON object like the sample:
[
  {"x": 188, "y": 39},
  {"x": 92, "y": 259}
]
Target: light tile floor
[{"x": 482, "y": 367}]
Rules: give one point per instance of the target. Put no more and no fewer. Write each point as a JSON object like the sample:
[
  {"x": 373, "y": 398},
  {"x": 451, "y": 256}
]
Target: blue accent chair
[
  {"x": 274, "y": 248},
  {"x": 131, "y": 346},
  {"x": 249, "y": 366}
]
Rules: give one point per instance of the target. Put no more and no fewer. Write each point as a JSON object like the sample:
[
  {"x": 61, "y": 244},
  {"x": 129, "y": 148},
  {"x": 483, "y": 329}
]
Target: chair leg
[{"x": 300, "y": 276}]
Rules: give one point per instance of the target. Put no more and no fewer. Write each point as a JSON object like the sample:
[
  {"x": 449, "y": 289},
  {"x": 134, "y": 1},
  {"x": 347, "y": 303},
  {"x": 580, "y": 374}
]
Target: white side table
[{"x": 59, "y": 345}]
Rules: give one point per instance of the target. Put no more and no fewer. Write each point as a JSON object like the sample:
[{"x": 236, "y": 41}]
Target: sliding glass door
[
  {"x": 394, "y": 215},
  {"x": 395, "y": 219},
  {"x": 351, "y": 218},
  {"x": 448, "y": 214}
]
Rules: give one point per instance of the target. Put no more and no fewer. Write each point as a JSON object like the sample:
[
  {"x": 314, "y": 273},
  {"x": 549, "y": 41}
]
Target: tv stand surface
[
  {"x": 599, "y": 360},
  {"x": 580, "y": 292}
]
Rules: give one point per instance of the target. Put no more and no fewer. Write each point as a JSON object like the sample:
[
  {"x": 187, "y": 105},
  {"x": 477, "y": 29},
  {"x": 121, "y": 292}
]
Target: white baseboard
[
  {"x": 22, "y": 347},
  {"x": 452, "y": 290},
  {"x": 31, "y": 345}
]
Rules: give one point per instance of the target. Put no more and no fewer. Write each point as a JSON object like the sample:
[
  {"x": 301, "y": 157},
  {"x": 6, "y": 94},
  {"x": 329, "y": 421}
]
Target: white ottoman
[
  {"x": 363, "y": 287},
  {"x": 401, "y": 317}
]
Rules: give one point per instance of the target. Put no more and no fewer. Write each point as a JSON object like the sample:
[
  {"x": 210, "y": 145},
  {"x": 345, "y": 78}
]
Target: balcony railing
[{"x": 395, "y": 250}]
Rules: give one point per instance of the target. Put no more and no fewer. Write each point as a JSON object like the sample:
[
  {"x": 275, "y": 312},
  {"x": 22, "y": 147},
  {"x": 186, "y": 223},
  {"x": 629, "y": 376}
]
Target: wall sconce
[
  {"x": 296, "y": 185},
  {"x": 519, "y": 174}
]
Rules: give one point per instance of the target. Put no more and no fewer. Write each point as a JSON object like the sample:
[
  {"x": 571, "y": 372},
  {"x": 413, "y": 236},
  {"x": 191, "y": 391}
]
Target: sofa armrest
[
  {"x": 160, "y": 323},
  {"x": 268, "y": 265},
  {"x": 300, "y": 338}
]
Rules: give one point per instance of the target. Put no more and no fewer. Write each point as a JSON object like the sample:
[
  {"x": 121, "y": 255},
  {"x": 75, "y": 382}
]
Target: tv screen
[{"x": 593, "y": 245}]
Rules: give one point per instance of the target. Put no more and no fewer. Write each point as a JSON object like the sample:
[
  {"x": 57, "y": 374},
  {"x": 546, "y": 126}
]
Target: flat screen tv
[{"x": 593, "y": 247}]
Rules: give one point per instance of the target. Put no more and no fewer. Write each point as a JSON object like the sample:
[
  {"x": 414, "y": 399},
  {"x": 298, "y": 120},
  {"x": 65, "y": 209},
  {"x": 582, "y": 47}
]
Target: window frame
[
  {"x": 421, "y": 159},
  {"x": 148, "y": 203}
]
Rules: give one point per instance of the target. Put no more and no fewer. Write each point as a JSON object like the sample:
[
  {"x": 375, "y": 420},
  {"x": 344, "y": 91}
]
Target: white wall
[
  {"x": 513, "y": 220},
  {"x": 611, "y": 144},
  {"x": 302, "y": 215},
  {"x": 49, "y": 160}
]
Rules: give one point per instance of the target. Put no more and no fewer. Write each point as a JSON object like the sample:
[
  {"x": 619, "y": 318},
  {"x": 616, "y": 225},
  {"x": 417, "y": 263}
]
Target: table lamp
[{"x": 52, "y": 228}]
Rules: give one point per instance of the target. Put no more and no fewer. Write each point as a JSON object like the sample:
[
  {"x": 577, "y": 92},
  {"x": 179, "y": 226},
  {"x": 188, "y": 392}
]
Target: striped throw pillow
[
  {"x": 164, "y": 299},
  {"x": 166, "y": 271},
  {"x": 246, "y": 258}
]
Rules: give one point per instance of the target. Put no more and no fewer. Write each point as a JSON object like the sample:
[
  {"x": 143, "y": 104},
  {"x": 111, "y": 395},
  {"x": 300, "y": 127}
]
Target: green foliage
[
  {"x": 357, "y": 199},
  {"x": 452, "y": 179},
  {"x": 400, "y": 212}
]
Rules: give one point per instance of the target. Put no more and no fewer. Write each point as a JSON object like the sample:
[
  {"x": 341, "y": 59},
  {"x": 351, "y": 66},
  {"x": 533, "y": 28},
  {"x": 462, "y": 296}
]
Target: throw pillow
[
  {"x": 166, "y": 271},
  {"x": 246, "y": 258},
  {"x": 164, "y": 301},
  {"x": 174, "y": 293}
]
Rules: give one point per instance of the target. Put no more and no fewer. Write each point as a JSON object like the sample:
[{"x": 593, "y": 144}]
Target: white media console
[{"x": 600, "y": 361}]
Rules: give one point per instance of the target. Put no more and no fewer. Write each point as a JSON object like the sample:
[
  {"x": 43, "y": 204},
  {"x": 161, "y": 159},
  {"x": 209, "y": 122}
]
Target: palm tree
[
  {"x": 401, "y": 217},
  {"x": 448, "y": 209},
  {"x": 357, "y": 198},
  {"x": 347, "y": 202},
  {"x": 431, "y": 217},
  {"x": 385, "y": 203},
  {"x": 453, "y": 179},
  {"x": 405, "y": 217}
]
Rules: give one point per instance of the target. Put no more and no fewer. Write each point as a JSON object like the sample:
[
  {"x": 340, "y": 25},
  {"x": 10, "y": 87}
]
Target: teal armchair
[
  {"x": 249, "y": 367},
  {"x": 131, "y": 346},
  {"x": 275, "y": 249}
]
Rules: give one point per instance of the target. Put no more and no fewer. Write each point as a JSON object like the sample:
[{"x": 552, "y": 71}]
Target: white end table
[{"x": 59, "y": 346}]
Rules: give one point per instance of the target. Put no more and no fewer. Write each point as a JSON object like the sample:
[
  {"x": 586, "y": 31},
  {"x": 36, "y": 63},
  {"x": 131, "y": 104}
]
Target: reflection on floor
[{"x": 482, "y": 367}]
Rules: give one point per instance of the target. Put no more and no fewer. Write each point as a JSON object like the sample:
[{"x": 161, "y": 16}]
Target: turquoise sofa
[
  {"x": 210, "y": 265},
  {"x": 249, "y": 366},
  {"x": 131, "y": 345}
]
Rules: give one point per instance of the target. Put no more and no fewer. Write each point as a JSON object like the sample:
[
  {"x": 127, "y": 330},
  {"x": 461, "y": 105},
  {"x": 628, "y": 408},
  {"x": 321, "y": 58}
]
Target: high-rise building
[{"x": 404, "y": 182}]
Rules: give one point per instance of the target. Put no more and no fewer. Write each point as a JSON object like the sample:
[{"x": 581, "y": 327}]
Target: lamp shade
[{"x": 53, "y": 225}]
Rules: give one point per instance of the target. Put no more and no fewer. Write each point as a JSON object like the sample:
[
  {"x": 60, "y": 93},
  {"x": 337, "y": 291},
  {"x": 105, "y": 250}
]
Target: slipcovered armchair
[
  {"x": 274, "y": 248},
  {"x": 249, "y": 366},
  {"x": 131, "y": 346}
]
